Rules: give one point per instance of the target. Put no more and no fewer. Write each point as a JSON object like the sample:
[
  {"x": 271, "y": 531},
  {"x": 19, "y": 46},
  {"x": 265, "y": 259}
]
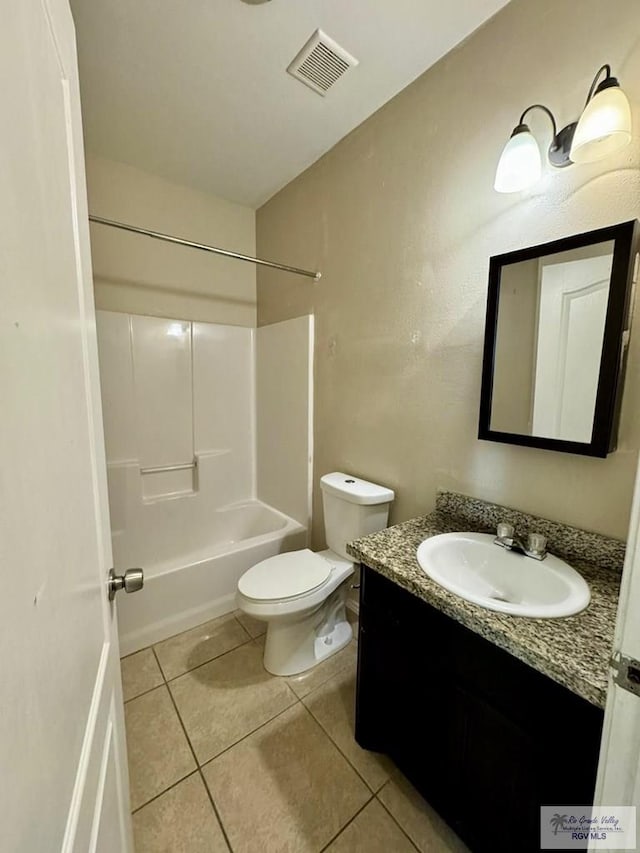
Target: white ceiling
[{"x": 196, "y": 90}]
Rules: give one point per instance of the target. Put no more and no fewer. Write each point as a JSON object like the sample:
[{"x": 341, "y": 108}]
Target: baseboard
[{"x": 134, "y": 641}]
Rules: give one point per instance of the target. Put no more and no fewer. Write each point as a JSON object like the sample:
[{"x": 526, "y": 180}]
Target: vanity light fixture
[{"x": 603, "y": 128}]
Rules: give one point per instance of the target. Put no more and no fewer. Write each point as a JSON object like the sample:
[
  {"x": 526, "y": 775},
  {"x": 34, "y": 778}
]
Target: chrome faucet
[{"x": 535, "y": 547}]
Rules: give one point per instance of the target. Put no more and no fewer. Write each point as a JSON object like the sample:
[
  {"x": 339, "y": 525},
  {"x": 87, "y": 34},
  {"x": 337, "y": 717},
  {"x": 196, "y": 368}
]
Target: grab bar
[{"x": 183, "y": 467}]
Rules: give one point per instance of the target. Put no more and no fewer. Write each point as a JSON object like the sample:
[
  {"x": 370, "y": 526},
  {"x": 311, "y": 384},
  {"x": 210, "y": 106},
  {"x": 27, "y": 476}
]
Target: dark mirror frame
[{"x": 614, "y": 346}]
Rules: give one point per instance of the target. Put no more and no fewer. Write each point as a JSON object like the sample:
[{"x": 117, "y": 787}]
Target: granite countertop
[{"x": 574, "y": 651}]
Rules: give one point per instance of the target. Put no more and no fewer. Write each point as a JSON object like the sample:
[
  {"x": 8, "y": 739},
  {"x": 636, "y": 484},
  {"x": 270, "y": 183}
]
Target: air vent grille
[{"x": 321, "y": 63}]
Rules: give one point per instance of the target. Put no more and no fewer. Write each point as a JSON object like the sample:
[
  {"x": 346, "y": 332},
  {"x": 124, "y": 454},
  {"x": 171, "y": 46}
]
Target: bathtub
[{"x": 200, "y": 584}]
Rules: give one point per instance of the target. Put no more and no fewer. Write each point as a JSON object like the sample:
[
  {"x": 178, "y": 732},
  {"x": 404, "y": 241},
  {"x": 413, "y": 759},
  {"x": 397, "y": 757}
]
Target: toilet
[{"x": 301, "y": 595}]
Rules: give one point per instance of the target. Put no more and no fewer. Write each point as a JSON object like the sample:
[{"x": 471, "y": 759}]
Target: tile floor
[{"x": 224, "y": 756}]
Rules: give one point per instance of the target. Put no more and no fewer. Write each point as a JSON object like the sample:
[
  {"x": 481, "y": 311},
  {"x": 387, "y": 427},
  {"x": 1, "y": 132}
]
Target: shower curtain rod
[{"x": 203, "y": 246}]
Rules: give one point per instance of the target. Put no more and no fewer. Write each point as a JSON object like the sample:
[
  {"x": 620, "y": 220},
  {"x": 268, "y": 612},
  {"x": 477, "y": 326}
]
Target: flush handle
[{"x": 131, "y": 581}]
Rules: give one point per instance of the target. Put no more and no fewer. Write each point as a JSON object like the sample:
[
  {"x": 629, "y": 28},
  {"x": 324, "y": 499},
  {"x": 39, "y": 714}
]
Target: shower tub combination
[
  {"x": 208, "y": 444},
  {"x": 199, "y": 585}
]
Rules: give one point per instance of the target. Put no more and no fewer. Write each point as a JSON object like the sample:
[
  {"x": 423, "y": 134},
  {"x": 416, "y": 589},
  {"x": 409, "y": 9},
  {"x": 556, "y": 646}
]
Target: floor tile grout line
[
  {"x": 164, "y": 791},
  {"x": 138, "y": 651},
  {"x": 318, "y": 686},
  {"x": 226, "y": 749},
  {"x": 395, "y": 820},
  {"x": 186, "y": 631},
  {"x": 261, "y": 634},
  {"x": 298, "y": 700},
  {"x": 374, "y": 792},
  {"x": 238, "y": 622},
  {"x": 333, "y": 675},
  {"x": 204, "y": 663},
  {"x": 215, "y": 809},
  {"x": 160, "y": 642},
  {"x": 163, "y": 683},
  {"x": 217, "y": 657},
  {"x": 275, "y": 717},
  {"x": 253, "y": 731},
  {"x": 199, "y": 769},
  {"x": 179, "y": 633},
  {"x": 157, "y": 659},
  {"x": 348, "y": 823}
]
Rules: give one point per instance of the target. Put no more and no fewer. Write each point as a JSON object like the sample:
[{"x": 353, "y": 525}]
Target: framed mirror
[{"x": 555, "y": 342}]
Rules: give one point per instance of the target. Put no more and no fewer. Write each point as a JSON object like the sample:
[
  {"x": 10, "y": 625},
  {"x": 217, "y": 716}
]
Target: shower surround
[{"x": 209, "y": 465}]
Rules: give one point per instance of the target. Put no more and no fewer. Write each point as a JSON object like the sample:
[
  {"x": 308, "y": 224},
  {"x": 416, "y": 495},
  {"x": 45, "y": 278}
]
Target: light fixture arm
[
  {"x": 558, "y": 151},
  {"x": 606, "y": 67},
  {"x": 545, "y": 110}
]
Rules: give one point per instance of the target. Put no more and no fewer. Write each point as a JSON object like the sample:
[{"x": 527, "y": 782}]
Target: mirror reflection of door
[
  {"x": 573, "y": 298},
  {"x": 549, "y": 336}
]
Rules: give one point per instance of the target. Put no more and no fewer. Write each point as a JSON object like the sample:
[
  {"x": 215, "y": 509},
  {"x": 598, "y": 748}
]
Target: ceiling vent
[{"x": 321, "y": 63}]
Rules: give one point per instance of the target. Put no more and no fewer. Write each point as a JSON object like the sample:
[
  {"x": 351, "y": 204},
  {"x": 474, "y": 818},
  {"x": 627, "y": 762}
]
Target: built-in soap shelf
[
  {"x": 162, "y": 482},
  {"x": 180, "y": 467},
  {"x": 166, "y": 482}
]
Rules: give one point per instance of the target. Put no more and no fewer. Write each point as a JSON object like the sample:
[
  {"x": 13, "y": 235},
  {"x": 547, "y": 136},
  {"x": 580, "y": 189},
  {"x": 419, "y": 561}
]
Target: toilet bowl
[{"x": 301, "y": 595}]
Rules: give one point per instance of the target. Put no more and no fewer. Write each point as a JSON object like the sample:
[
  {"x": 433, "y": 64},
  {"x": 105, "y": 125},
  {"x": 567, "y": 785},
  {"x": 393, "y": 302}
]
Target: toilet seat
[{"x": 285, "y": 576}]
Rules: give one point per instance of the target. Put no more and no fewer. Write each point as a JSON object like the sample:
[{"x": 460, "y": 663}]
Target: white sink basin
[{"x": 472, "y": 566}]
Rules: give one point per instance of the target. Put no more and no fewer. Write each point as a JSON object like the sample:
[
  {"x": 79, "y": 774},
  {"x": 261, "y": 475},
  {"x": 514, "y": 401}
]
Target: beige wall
[
  {"x": 284, "y": 401},
  {"x": 401, "y": 218},
  {"x": 516, "y": 335},
  {"x": 138, "y": 275}
]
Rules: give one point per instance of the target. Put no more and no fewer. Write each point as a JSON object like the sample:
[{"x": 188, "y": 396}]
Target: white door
[
  {"x": 571, "y": 318},
  {"x": 619, "y": 768},
  {"x": 63, "y": 778}
]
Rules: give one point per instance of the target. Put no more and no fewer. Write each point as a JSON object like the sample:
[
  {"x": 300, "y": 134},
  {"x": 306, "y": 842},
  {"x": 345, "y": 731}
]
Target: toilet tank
[{"x": 352, "y": 508}]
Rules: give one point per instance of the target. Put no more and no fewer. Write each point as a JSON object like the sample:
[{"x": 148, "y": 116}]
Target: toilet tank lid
[{"x": 354, "y": 490}]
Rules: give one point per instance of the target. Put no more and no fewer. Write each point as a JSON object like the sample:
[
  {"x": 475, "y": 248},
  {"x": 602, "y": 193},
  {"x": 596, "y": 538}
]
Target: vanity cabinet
[{"x": 485, "y": 738}]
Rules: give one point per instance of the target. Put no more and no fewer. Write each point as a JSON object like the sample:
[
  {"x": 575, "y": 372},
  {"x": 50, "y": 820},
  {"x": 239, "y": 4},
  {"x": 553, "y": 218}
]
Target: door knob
[{"x": 131, "y": 581}]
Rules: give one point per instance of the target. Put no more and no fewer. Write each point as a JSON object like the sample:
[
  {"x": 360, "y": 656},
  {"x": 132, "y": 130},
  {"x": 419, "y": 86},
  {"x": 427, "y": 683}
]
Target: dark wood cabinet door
[
  {"x": 381, "y": 696},
  {"x": 404, "y": 705},
  {"x": 473, "y": 728},
  {"x": 498, "y": 780}
]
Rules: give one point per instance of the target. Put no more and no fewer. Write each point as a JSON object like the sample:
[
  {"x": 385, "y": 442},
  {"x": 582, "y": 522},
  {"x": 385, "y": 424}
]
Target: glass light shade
[
  {"x": 604, "y": 126},
  {"x": 520, "y": 164}
]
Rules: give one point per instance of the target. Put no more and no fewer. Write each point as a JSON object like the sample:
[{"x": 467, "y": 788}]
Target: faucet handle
[
  {"x": 505, "y": 531},
  {"x": 536, "y": 543}
]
